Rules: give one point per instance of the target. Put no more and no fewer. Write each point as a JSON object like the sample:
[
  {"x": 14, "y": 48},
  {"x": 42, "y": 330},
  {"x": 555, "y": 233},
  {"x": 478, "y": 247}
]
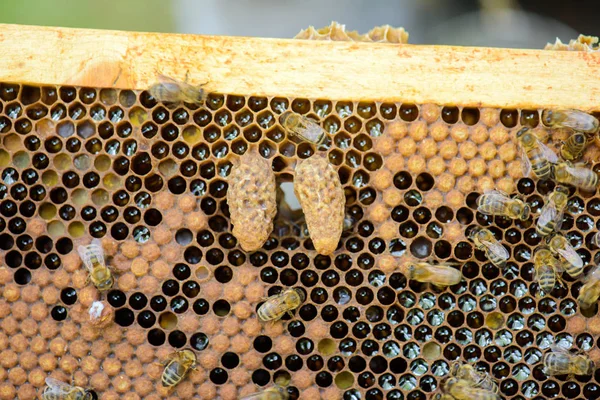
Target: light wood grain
[{"x": 296, "y": 68}]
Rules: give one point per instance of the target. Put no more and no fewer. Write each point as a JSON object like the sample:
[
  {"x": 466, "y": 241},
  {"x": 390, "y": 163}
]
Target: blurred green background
[{"x": 132, "y": 15}]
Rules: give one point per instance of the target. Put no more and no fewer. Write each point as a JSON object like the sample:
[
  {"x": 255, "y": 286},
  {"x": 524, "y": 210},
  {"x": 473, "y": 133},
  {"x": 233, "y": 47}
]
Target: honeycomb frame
[{"x": 411, "y": 165}]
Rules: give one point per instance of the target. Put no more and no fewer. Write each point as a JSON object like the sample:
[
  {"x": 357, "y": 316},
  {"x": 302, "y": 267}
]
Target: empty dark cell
[
  {"x": 208, "y": 205},
  {"x": 450, "y": 114},
  {"x": 29, "y": 176},
  {"x": 116, "y": 298},
  {"x": 591, "y": 391},
  {"x": 272, "y": 361},
  {"x": 377, "y": 245},
  {"x": 146, "y": 319},
  {"x": 525, "y": 186},
  {"x": 263, "y": 344},
  {"x": 52, "y": 261},
  {"x": 329, "y": 313},
  {"x": 421, "y": 247},
  {"x": 230, "y": 360},
  {"x": 223, "y": 274},
  {"x": 138, "y": 300},
  {"x": 201, "y": 306},
  {"x": 403, "y": 180},
  {"x": 354, "y": 245},
  {"x": 338, "y": 330},
  {"x": 181, "y": 271},
  {"x": 32, "y": 143},
  {"x": 357, "y": 364},
  {"x": 170, "y": 287},
  {"x": 324, "y": 379},
  {"x": 288, "y": 277},
  {"x": 296, "y": 328},
  {"x": 199, "y": 341},
  {"x": 408, "y": 112},
  {"x": 221, "y": 308},
  {"x": 214, "y": 256},
  {"x": 218, "y": 224},
  {"x": 191, "y": 289},
  {"x": 64, "y": 245},
  {"x": 58, "y": 313},
  {"x": 133, "y": 183},
  {"x": 463, "y": 250},
  {"x": 364, "y": 295},
  {"x": 91, "y": 180},
  {"x": 2, "y": 224},
  {"x": 40, "y": 161},
  {"x": 43, "y": 244},
  {"x": 97, "y": 229},
  {"x": 330, "y": 278},
  {"x": 308, "y": 278},
  {"x": 386, "y": 296},
  {"x": 442, "y": 249},
  {"x": 509, "y": 117},
  {"x": 119, "y": 231},
  {"x": 141, "y": 163},
  {"x": 308, "y": 312},
  {"x": 18, "y": 191},
  {"x": 177, "y": 185},
  {"x": 109, "y": 214},
  {"x": 408, "y": 229},
  {"x": 369, "y": 348},
  {"x": 192, "y": 255},
  {"x": 305, "y": 346},
  {"x": 22, "y": 276},
  {"x": 121, "y": 198},
  {"x": 422, "y": 215},
  {"x": 261, "y": 377},
  {"x": 124, "y": 317},
  {"x": 67, "y": 212},
  {"x": 88, "y": 213},
  {"x": 24, "y": 242},
  {"x": 8, "y": 208},
  {"x": 37, "y": 193},
  {"x": 269, "y": 275},
  {"x": 156, "y": 337},
  {"x": 177, "y": 339}
]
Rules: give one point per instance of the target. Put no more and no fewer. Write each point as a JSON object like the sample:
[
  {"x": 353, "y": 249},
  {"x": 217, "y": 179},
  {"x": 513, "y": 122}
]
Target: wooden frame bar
[{"x": 466, "y": 76}]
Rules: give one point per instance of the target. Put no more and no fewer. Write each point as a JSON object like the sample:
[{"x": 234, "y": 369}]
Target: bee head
[
  {"x": 284, "y": 117},
  {"x": 188, "y": 356},
  {"x": 591, "y": 367},
  {"x": 562, "y": 189},
  {"x": 525, "y": 136},
  {"x": 547, "y": 117},
  {"x": 474, "y": 233},
  {"x": 560, "y": 172},
  {"x": 454, "y": 368},
  {"x": 524, "y": 210},
  {"x": 90, "y": 395},
  {"x": 200, "y": 96},
  {"x": 579, "y": 138}
]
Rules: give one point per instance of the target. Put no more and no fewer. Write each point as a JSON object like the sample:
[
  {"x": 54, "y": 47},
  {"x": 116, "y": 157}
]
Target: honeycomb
[{"x": 150, "y": 181}]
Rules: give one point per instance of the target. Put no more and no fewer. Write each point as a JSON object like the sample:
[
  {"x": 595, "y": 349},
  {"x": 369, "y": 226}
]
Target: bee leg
[
  {"x": 290, "y": 314},
  {"x": 187, "y": 75}
]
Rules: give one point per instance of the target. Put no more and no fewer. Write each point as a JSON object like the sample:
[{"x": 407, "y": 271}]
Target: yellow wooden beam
[{"x": 467, "y": 76}]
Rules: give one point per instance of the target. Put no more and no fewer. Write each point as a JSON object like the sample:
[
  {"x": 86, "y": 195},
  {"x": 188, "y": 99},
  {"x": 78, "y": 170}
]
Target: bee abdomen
[{"x": 252, "y": 201}]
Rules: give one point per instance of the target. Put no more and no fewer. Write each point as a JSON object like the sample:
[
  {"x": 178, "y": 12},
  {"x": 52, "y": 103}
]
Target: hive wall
[{"x": 150, "y": 181}]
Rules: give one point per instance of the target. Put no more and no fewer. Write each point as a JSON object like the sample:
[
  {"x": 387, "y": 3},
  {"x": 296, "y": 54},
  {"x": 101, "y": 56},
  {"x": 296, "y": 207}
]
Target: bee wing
[
  {"x": 548, "y": 153},
  {"x": 525, "y": 163},
  {"x": 497, "y": 249},
  {"x": 495, "y": 192},
  {"x": 569, "y": 254},
  {"x": 579, "y": 173},
  {"x": 90, "y": 253},
  {"x": 550, "y": 213},
  {"x": 57, "y": 388},
  {"x": 167, "y": 79}
]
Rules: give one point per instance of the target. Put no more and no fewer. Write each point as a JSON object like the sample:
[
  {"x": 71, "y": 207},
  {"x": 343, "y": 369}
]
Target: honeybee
[
  {"x": 57, "y": 390},
  {"x": 92, "y": 256},
  {"x": 462, "y": 389},
  {"x": 572, "y": 148},
  {"x": 273, "y": 393},
  {"x": 574, "y": 119},
  {"x": 567, "y": 173},
  {"x": 590, "y": 291},
  {"x": 485, "y": 241},
  {"x": 478, "y": 379},
  {"x": 560, "y": 361},
  {"x": 177, "y": 366},
  {"x": 275, "y": 306},
  {"x": 495, "y": 202},
  {"x": 303, "y": 127},
  {"x": 442, "y": 396},
  {"x": 546, "y": 268},
  {"x": 535, "y": 156},
  {"x": 438, "y": 275},
  {"x": 551, "y": 215},
  {"x": 169, "y": 90},
  {"x": 571, "y": 261}
]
